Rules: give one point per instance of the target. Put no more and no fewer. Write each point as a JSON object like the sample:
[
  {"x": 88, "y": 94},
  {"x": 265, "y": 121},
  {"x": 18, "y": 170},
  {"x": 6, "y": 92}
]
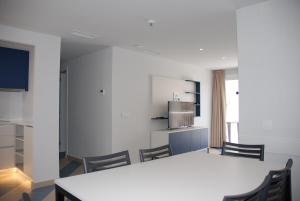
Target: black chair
[
  {"x": 276, "y": 187},
  {"x": 97, "y": 163},
  {"x": 243, "y": 150},
  {"x": 25, "y": 197},
  {"x": 155, "y": 153},
  {"x": 258, "y": 194},
  {"x": 281, "y": 187}
]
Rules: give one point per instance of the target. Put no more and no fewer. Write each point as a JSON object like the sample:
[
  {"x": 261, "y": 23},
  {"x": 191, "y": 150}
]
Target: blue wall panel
[
  {"x": 190, "y": 140},
  {"x": 14, "y": 68}
]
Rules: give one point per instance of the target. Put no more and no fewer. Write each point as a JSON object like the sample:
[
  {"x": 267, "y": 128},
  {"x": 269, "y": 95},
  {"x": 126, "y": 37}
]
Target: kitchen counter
[
  {"x": 16, "y": 122},
  {"x": 176, "y": 130}
]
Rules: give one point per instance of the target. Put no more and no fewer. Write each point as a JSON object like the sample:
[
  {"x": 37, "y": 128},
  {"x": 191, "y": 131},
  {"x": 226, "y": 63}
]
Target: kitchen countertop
[
  {"x": 178, "y": 129},
  {"x": 15, "y": 122}
]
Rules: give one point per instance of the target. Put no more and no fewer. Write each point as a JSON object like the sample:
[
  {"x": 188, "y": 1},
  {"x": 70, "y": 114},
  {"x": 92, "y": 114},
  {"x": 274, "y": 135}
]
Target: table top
[{"x": 192, "y": 176}]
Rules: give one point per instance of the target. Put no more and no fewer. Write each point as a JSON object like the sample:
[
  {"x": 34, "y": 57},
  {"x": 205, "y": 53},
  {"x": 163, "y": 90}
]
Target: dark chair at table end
[
  {"x": 97, "y": 163},
  {"x": 155, "y": 153},
  {"x": 244, "y": 150},
  {"x": 276, "y": 186}
]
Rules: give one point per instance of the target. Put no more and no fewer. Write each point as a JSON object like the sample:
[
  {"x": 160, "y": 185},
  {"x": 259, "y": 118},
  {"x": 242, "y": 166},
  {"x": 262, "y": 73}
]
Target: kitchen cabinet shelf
[
  {"x": 159, "y": 118},
  {"x": 197, "y": 95},
  {"x": 19, "y": 148},
  {"x": 191, "y": 92},
  {"x": 20, "y": 166},
  {"x": 20, "y": 138},
  {"x": 20, "y": 152}
]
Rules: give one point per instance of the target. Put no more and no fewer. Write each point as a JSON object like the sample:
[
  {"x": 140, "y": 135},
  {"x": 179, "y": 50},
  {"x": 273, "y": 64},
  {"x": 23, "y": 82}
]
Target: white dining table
[{"x": 193, "y": 176}]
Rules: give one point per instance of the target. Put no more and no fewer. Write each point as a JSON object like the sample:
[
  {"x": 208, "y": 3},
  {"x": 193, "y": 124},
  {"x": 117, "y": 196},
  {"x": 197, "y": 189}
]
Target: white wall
[
  {"x": 89, "y": 112},
  {"x": 269, "y": 46},
  {"x": 131, "y": 97},
  {"x": 46, "y": 59},
  {"x": 120, "y": 120},
  {"x": 11, "y": 105},
  {"x": 27, "y": 96},
  {"x": 163, "y": 90},
  {"x": 232, "y": 74},
  {"x": 18, "y": 106}
]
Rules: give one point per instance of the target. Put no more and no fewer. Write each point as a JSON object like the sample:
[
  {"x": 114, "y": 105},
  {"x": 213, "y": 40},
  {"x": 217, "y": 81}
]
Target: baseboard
[
  {"x": 62, "y": 155},
  {"x": 74, "y": 158},
  {"x": 41, "y": 184}
]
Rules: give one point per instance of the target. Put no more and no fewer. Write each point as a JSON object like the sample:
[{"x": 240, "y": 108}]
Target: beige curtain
[{"x": 218, "y": 127}]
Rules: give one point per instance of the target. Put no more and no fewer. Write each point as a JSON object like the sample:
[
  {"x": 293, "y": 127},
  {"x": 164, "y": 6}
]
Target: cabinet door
[
  {"x": 180, "y": 142},
  {"x": 196, "y": 139},
  {"x": 204, "y": 138},
  {"x": 7, "y": 157},
  {"x": 7, "y": 146},
  {"x": 199, "y": 139}
]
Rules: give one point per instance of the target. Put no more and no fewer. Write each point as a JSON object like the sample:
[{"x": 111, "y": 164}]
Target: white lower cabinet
[
  {"x": 7, "y": 146},
  {"x": 16, "y": 147},
  {"x": 7, "y": 158},
  {"x": 28, "y": 139}
]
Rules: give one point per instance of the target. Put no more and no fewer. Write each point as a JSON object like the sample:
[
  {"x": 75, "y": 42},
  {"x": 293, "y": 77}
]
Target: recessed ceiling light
[
  {"x": 144, "y": 49},
  {"x": 201, "y": 49},
  {"x": 138, "y": 46},
  {"x": 151, "y": 22},
  {"x": 83, "y": 34}
]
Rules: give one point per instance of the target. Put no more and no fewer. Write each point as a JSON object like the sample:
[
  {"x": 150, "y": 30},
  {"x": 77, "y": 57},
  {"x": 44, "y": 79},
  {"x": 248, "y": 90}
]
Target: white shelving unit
[
  {"x": 19, "y": 147},
  {"x": 16, "y": 146}
]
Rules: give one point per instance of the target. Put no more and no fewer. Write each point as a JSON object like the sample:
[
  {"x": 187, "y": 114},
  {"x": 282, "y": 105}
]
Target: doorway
[
  {"x": 63, "y": 114},
  {"x": 232, "y": 110}
]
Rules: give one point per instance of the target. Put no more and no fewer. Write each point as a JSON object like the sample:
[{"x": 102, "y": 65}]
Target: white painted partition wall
[
  {"x": 121, "y": 118},
  {"x": 269, "y": 45},
  {"x": 132, "y": 101},
  {"x": 89, "y": 111},
  {"x": 44, "y": 101}
]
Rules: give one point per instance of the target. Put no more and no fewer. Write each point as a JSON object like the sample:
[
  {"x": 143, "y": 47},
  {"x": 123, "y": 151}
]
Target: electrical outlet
[{"x": 101, "y": 92}]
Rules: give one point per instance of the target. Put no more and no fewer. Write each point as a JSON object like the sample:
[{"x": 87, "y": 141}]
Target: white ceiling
[{"x": 182, "y": 28}]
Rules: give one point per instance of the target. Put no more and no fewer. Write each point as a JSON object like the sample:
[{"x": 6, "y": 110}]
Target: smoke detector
[{"x": 151, "y": 22}]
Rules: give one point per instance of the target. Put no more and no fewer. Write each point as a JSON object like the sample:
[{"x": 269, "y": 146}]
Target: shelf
[
  {"x": 197, "y": 96},
  {"x": 159, "y": 118},
  {"x": 20, "y": 138},
  {"x": 190, "y": 92},
  {"x": 191, "y": 81},
  {"x": 20, "y": 166},
  {"x": 20, "y": 152}
]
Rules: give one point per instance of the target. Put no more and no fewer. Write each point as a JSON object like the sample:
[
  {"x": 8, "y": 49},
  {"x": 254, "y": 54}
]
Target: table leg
[
  {"x": 59, "y": 196},
  {"x": 61, "y": 193}
]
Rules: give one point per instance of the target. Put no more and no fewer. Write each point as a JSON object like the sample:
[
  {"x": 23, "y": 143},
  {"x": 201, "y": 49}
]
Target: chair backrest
[
  {"x": 280, "y": 187},
  {"x": 258, "y": 194},
  {"x": 276, "y": 187},
  {"x": 155, "y": 153},
  {"x": 25, "y": 197},
  {"x": 97, "y": 163},
  {"x": 244, "y": 150}
]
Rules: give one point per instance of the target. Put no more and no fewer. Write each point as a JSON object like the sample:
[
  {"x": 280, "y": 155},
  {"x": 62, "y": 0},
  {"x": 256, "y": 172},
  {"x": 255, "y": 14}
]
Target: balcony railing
[{"x": 232, "y": 132}]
